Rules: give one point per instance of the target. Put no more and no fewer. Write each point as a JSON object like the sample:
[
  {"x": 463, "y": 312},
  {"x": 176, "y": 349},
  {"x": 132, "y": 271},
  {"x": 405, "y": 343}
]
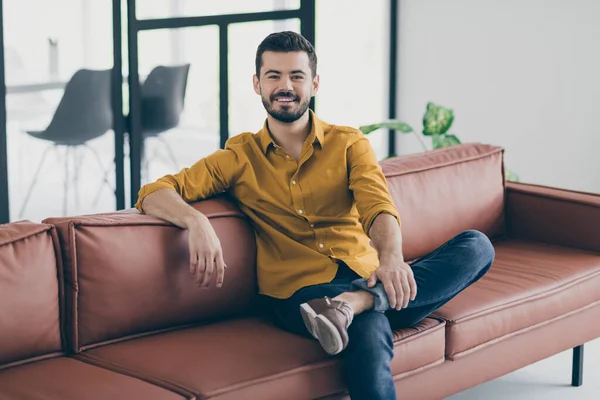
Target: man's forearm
[
  {"x": 168, "y": 205},
  {"x": 386, "y": 237}
]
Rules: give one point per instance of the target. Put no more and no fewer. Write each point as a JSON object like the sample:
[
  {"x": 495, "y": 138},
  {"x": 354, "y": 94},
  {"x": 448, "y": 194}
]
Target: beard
[{"x": 285, "y": 113}]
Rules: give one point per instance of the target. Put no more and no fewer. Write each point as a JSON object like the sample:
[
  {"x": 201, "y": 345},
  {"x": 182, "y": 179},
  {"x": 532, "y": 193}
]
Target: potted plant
[{"x": 437, "y": 121}]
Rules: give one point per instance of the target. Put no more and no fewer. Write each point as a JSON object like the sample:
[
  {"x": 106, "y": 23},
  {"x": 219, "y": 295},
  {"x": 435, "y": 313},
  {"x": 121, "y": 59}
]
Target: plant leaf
[
  {"x": 437, "y": 120},
  {"x": 511, "y": 176},
  {"x": 391, "y": 124},
  {"x": 439, "y": 141}
]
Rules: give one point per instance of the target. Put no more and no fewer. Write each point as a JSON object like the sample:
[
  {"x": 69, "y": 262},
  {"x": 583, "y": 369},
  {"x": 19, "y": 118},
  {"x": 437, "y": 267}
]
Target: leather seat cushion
[
  {"x": 250, "y": 358},
  {"x": 528, "y": 284},
  {"x": 66, "y": 378}
]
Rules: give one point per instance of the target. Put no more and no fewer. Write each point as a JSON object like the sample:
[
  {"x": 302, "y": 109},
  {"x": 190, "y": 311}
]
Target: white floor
[{"x": 549, "y": 379}]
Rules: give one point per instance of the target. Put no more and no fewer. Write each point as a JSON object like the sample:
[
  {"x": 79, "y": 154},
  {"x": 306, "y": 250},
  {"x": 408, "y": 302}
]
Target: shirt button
[
  {"x": 321, "y": 245},
  {"x": 299, "y": 211},
  {"x": 287, "y": 156},
  {"x": 293, "y": 182},
  {"x": 312, "y": 225}
]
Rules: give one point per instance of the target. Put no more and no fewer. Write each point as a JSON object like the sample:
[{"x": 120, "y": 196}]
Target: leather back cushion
[
  {"x": 127, "y": 274},
  {"x": 444, "y": 192},
  {"x": 29, "y": 292}
]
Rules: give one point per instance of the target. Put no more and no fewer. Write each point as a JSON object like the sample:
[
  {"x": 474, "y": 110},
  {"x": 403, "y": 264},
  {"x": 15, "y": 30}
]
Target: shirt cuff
[
  {"x": 387, "y": 209},
  {"x": 149, "y": 189}
]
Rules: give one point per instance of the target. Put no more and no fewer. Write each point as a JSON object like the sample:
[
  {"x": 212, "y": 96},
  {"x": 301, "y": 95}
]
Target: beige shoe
[{"x": 328, "y": 321}]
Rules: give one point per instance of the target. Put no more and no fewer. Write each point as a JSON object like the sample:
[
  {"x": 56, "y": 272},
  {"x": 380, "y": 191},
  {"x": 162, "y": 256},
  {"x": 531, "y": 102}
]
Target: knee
[{"x": 478, "y": 248}]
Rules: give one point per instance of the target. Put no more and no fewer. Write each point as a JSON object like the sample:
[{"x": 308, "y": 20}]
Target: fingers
[
  {"x": 201, "y": 267},
  {"x": 220, "y": 269},
  {"x": 405, "y": 291},
  {"x": 206, "y": 256},
  {"x": 399, "y": 288},
  {"x": 413, "y": 285},
  {"x": 208, "y": 273},
  {"x": 399, "y": 284},
  {"x": 193, "y": 263},
  {"x": 391, "y": 292},
  {"x": 372, "y": 280}
]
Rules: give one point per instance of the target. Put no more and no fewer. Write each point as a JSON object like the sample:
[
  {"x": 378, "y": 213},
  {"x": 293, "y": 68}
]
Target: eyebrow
[{"x": 274, "y": 71}]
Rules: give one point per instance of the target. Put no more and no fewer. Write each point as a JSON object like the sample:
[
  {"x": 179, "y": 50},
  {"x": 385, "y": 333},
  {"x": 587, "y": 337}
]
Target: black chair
[
  {"x": 84, "y": 113},
  {"x": 163, "y": 98}
]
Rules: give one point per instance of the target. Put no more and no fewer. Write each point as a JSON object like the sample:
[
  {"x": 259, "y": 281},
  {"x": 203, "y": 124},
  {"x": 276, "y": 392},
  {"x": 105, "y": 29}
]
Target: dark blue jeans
[{"x": 440, "y": 276}]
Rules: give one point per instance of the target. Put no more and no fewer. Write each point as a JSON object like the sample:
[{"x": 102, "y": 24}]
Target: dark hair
[{"x": 284, "y": 42}]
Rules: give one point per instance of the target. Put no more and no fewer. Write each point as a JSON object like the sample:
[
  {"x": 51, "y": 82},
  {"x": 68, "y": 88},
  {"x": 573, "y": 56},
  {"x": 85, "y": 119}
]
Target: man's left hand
[{"x": 397, "y": 279}]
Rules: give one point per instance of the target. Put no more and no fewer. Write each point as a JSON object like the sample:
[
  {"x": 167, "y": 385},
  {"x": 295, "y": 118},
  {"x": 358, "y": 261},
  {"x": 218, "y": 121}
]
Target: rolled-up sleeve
[
  {"x": 209, "y": 176},
  {"x": 368, "y": 184}
]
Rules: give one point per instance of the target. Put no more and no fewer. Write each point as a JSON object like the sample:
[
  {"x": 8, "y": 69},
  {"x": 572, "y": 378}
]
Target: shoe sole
[
  {"x": 328, "y": 335},
  {"x": 309, "y": 317}
]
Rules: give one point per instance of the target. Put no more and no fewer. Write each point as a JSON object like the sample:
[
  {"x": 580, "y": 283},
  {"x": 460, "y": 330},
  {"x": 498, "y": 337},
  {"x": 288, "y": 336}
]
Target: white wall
[
  {"x": 352, "y": 38},
  {"x": 522, "y": 74}
]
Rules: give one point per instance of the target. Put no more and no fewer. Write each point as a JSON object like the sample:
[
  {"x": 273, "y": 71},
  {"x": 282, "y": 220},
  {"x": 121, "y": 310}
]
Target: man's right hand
[{"x": 206, "y": 254}]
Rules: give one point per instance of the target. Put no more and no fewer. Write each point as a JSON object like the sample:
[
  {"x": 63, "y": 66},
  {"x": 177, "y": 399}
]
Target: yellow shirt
[{"x": 306, "y": 214}]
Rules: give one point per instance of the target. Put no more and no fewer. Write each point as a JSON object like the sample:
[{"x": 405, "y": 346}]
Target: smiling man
[{"x": 317, "y": 198}]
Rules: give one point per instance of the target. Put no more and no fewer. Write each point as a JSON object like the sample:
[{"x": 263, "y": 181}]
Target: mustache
[{"x": 287, "y": 94}]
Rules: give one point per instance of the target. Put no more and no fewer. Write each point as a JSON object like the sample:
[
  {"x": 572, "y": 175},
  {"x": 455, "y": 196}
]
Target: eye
[
  {"x": 297, "y": 77},
  {"x": 273, "y": 77}
]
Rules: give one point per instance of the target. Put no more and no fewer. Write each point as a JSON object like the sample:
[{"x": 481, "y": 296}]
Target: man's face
[{"x": 286, "y": 84}]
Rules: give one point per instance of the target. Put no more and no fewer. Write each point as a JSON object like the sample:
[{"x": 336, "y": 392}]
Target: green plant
[{"x": 437, "y": 121}]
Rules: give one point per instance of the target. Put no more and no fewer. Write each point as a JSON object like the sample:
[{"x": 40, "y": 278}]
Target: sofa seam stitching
[
  {"x": 442, "y": 165},
  {"x": 146, "y": 377},
  {"x": 529, "y": 188},
  {"x": 307, "y": 367},
  {"x": 525, "y": 300},
  {"x": 19, "y": 238},
  {"x": 322, "y": 363},
  {"x": 80, "y": 222},
  {"x": 406, "y": 339},
  {"x": 525, "y": 329}
]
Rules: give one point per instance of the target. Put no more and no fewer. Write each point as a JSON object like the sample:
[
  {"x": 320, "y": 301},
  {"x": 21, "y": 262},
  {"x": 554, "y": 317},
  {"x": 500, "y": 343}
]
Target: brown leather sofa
[{"x": 103, "y": 306}]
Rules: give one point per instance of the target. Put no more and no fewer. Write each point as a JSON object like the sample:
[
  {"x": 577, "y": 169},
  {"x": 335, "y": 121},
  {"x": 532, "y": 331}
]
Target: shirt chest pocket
[{"x": 329, "y": 191}]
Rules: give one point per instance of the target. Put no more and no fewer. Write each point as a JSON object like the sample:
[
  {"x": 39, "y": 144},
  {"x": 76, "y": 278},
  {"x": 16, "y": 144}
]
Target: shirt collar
[{"x": 316, "y": 133}]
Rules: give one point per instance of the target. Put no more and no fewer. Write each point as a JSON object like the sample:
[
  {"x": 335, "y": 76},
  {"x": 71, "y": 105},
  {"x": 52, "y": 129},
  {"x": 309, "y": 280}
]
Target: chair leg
[
  {"x": 66, "y": 191},
  {"x": 34, "y": 181},
  {"x": 104, "y": 171},
  {"x": 145, "y": 162},
  {"x": 577, "y": 373},
  {"x": 77, "y": 161}
]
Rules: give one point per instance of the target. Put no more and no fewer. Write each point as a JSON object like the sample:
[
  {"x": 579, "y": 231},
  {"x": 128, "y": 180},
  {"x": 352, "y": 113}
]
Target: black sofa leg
[{"x": 577, "y": 377}]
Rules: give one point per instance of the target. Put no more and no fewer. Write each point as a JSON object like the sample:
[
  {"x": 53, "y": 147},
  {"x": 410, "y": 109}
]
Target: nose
[{"x": 287, "y": 84}]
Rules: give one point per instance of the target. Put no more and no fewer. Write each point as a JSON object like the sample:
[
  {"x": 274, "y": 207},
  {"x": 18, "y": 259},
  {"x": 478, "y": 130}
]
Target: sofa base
[{"x": 532, "y": 345}]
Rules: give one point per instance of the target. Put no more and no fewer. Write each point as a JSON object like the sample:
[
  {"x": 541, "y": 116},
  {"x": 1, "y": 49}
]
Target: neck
[{"x": 289, "y": 134}]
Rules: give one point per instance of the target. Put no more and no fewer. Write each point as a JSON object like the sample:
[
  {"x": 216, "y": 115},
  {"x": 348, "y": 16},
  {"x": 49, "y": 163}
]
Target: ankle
[{"x": 360, "y": 301}]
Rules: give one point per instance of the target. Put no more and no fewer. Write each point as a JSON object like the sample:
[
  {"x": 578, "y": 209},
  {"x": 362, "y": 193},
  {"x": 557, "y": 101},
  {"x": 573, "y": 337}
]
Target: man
[{"x": 317, "y": 198}]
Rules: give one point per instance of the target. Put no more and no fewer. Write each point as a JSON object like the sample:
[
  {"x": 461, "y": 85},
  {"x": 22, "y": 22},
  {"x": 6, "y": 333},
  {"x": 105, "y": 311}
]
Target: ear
[
  {"x": 315, "y": 85},
  {"x": 256, "y": 84}
]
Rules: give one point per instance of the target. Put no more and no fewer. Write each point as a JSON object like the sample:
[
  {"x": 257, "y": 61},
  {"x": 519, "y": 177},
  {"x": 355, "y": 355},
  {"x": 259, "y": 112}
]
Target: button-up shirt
[{"x": 309, "y": 213}]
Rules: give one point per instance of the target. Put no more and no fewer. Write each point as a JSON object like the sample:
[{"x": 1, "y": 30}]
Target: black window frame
[{"x": 121, "y": 125}]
